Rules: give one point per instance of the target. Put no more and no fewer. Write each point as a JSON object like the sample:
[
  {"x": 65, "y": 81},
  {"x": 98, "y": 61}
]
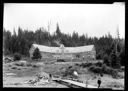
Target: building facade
[{"x": 81, "y": 52}]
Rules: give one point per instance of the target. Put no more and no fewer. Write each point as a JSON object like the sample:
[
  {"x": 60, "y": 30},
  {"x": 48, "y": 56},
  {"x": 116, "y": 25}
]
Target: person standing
[
  {"x": 50, "y": 77},
  {"x": 99, "y": 81}
]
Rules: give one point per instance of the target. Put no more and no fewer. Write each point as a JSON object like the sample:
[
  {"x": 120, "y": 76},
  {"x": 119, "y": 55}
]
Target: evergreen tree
[
  {"x": 36, "y": 54},
  {"x": 106, "y": 60},
  {"x": 58, "y": 32},
  {"x": 22, "y": 42},
  {"x": 115, "y": 60},
  {"x": 122, "y": 57}
]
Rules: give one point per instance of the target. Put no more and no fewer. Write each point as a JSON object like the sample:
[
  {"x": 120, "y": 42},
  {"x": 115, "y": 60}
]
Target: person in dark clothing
[
  {"x": 50, "y": 77},
  {"x": 99, "y": 82}
]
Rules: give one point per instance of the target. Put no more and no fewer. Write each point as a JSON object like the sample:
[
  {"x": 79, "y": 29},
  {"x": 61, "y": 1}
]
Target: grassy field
[{"x": 16, "y": 73}]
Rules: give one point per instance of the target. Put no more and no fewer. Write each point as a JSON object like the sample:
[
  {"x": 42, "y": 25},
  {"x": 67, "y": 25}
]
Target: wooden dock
[
  {"x": 79, "y": 84},
  {"x": 71, "y": 83}
]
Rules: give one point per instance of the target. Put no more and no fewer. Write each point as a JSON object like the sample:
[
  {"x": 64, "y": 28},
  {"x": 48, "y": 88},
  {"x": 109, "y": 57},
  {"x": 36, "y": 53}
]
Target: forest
[{"x": 21, "y": 42}]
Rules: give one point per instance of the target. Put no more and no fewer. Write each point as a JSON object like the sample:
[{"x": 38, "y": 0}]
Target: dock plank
[{"x": 77, "y": 83}]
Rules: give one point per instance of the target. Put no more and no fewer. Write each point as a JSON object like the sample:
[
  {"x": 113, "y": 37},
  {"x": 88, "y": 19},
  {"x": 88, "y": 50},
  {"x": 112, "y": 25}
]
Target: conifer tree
[{"x": 36, "y": 54}]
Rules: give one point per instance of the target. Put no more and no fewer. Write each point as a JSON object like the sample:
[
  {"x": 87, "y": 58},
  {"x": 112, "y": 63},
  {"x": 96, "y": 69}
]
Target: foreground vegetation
[{"x": 25, "y": 68}]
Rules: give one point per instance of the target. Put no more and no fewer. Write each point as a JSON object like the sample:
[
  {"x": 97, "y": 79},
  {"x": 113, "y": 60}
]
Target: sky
[{"x": 93, "y": 19}]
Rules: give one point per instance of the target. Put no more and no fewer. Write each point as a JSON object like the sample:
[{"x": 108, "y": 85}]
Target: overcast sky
[{"x": 93, "y": 19}]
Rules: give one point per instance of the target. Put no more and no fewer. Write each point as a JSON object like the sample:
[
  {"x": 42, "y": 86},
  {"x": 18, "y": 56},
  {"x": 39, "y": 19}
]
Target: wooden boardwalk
[
  {"x": 78, "y": 84},
  {"x": 74, "y": 83}
]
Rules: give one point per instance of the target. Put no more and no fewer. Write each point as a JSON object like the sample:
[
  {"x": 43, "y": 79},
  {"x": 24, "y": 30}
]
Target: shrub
[
  {"x": 98, "y": 56},
  {"x": 114, "y": 73},
  {"x": 99, "y": 64},
  {"x": 104, "y": 69},
  {"x": 14, "y": 68},
  {"x": 77, "y": 64},
  {"x": 36, "y": 54},
  {"x": 60, "y": 60},
  {"x": 95, "y": 69},
  {"x": 84, "y": 65},
  {"x": 34, "y": 65},
  {"x": 109, "y": 70},
  {"x": 106, "y": 60},
  {"x": 69, "y": 72},
  {"x": 17, "y": 56}
]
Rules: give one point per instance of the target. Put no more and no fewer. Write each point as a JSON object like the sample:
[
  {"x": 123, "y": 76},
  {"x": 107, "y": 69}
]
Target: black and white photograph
[{"x": 64, "y": 45}]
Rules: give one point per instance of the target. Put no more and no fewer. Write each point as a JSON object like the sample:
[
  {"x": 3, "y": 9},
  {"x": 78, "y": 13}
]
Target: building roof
[{"x": 43, "y": 48}]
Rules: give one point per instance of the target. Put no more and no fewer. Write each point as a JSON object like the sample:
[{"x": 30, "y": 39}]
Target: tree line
[{"x": 21, "y": 42}]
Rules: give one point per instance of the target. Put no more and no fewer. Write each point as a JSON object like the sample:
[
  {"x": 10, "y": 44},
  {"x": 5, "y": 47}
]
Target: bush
[
  {"x": 104, "y": 69},
  {"x": 98, "y": 56},
  {"x": 17, "y": 56},
  {"x": 34, "y": 65},
  {"x": 14, "y": 68},
  {"x": 69, "y": 72},
  {"x": 106, "y": 60},
  {"x": 36, "y": 54},
  {"x": 60, "y": 60},
  {"x": 99, "y": 64},
  {"x": 77, "y": 64},
  {"x": 84, "y": 65},
  {"x": 110, "y": 71},
  {"x": 95, "y": 69}
]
